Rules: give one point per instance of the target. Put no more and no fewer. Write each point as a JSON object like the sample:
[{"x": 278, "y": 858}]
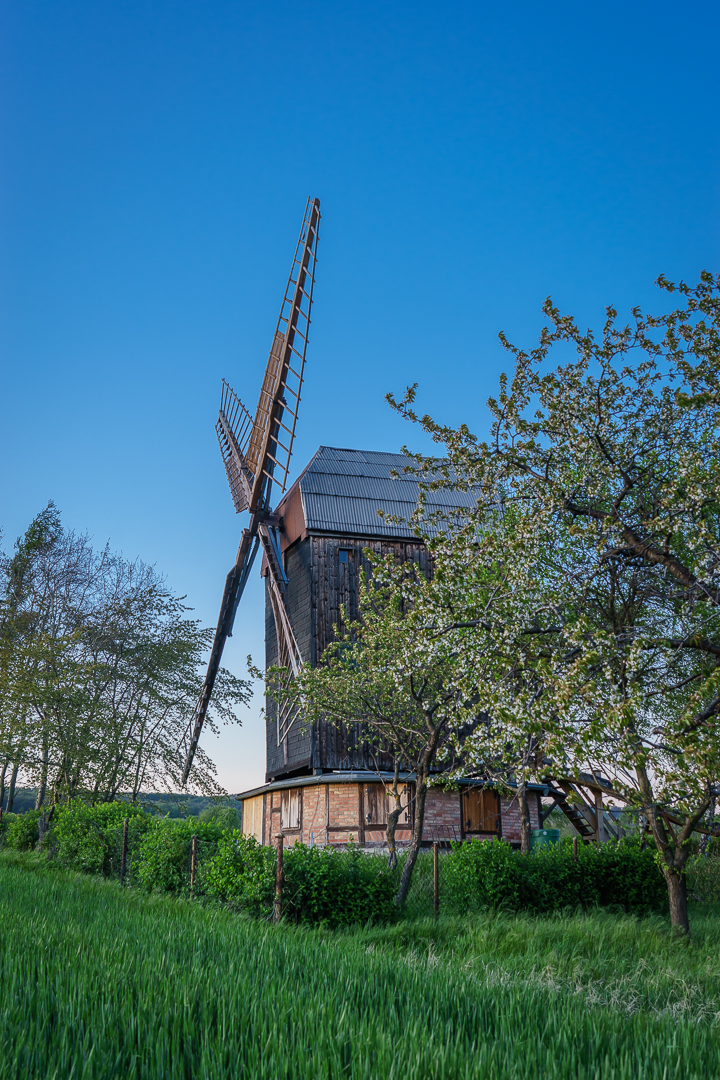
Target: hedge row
[
  {"x": 321, "y": 884},
  {"x": 331, "y": 886},
  {"x": 622, "y": 874}
]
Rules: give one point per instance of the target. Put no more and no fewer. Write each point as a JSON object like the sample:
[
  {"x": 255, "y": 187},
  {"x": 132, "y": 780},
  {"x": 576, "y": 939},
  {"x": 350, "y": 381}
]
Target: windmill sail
[
  {"x": 257, "y": 453},
  {"x": 273, "y": 432},
  {"x": 233, "y": 427}
]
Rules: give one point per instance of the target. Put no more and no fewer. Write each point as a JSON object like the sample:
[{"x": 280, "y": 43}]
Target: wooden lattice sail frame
[{"x": 256, "y": 454}]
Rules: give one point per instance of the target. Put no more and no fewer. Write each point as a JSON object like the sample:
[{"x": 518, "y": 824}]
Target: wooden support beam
[{"x": 599, "y": 817}]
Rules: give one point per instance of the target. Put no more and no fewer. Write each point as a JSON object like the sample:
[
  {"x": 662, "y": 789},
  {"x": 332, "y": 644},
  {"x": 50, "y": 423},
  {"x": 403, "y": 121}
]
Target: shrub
[
  {"x": 703, "y": 877},
  {"x": 89, "y": 838},
  {"x": 321, "y": 885},
  {"x": 22, "y": 832},
  {"x": 161, "y": 859},
  {"x": 490, "y": 874},
  {"x": 241, "y": 873},
  {"x": 337, "y": 887}
]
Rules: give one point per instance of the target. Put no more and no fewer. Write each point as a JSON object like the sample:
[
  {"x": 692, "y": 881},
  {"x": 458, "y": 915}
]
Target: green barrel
[{"x": 544, "y": 837}]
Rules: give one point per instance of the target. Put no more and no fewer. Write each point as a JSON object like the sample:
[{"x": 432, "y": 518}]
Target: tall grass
[{"x": 100, "y": 983}]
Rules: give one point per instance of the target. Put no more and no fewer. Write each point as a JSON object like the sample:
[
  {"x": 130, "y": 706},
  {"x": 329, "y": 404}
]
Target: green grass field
[{"x": 100, "y": 983}]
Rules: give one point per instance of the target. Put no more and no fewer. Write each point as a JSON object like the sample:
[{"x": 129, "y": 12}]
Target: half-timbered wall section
[{"x": 339, "y": 809}]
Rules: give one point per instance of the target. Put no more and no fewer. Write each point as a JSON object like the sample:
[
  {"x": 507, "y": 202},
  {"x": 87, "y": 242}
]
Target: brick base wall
[
  {"x": 443, "y": 817},
  {"x": 333, "y": 813},
  {"x": 314, "y": 821},
  {"x": 510, "y": 817}
]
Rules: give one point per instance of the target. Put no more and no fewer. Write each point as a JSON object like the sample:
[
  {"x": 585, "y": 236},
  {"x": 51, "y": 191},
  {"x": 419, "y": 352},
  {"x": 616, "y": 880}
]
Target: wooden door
[
  {"x": 290, "y": 809},
  {"x": 252, "y": 817},
  {"x": 375, "y": 805},
  {"x": 379, "y": 802},
  {"x": 481, "y": 810}
]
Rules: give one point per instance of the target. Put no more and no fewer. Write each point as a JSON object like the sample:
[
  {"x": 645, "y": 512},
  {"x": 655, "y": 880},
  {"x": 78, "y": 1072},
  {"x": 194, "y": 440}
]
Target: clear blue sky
[{"x": 471, "y": 159}]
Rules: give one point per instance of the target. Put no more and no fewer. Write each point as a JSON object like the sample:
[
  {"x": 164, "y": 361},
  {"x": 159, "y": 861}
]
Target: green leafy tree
[
  {"x": 392, "y": 674},
  {"x": 598, "y": 496},
  {"x": 100, "y": 669}
]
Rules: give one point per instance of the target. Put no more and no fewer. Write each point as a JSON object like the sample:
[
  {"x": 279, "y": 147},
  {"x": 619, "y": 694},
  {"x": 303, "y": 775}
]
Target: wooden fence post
[
  {"x": 575, "y": 848},
  {"x": 277, "y": 910},
  {"x": 123, "y": 852},
  {"x": 193, "y": 865},
  {"x": 436, "y": 878}
]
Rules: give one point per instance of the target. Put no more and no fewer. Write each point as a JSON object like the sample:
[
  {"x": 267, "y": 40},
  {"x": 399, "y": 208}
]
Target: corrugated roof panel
[
  {"x": 360, "y": 457},
  {"x": 360, "y": 487},
  {"x": 342, "y": 491},
  {"x": 341, "y": 514}
]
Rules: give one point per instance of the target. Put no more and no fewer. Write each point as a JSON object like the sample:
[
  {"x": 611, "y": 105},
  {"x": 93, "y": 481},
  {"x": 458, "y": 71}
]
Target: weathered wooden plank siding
[
  {"x": 252, "y": 817},
  {"x": 296, "y": 752},
  {"x": 320, "y": 586},
  {"x": 335, "y": 586}
]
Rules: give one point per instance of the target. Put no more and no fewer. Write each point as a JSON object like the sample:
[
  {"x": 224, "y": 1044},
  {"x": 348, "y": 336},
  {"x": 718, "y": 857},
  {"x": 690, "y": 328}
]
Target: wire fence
[
  {"x": 174, "y": 865},
  {"x": 703, "y": 879},
  {"x": 176, "y": 861}
]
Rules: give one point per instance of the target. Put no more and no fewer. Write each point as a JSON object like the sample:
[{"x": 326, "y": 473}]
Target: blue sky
[{"x": 471, "y": 159}]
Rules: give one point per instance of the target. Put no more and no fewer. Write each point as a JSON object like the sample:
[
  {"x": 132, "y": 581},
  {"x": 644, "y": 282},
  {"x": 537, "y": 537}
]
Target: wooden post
[
  {"x": 123, "y": 852},
  {"x": 436, "y": 878},
  {"x": 575, "y": 848},
  {"x": 277, "y": 910},
  {"x": 600, "y": 834},
  {"x": 193, "y": 865}
]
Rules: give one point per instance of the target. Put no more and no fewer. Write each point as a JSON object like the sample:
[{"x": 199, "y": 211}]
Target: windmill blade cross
[{"x": 257, "y": 452}]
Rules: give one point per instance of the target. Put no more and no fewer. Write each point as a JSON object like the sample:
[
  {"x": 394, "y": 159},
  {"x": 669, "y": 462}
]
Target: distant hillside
[{"x": 163, "y": 803}]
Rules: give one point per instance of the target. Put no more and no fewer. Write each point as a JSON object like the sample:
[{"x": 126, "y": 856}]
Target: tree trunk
[
  {"x": 44, "y": 824},
  {"x": 42, "y": 787},
  {"x": 393, "y": 818},
  {"x": 2, "y": 783},
  {"x": 524, "y": 819},
  {"x": 11, "y": 789},
  {"x": 673, "y": 848},
  {"x": 677, "y": 892},
  {"x": 420, "y": 793}
]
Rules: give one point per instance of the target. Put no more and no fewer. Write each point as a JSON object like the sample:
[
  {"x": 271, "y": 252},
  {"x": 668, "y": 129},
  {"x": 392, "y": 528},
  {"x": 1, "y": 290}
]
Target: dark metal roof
[
  {"x": 343, "y": 490},
  {"x": 360, "y": 777}
]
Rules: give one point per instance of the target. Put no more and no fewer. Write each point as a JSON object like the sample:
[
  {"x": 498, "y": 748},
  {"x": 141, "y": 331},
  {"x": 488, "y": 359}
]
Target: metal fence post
[
  {"x": 277, "y": 910},
  {"x": 123, "y": 852},
  {"x": 193, "y": 865},
  {"x": 436, "y": 878},
  {"x": 575, "y": 848}
]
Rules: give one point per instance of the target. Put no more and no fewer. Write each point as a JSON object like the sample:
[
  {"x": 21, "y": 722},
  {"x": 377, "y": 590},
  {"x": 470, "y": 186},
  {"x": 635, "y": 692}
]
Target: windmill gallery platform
[{"x": 326, "y": 784}]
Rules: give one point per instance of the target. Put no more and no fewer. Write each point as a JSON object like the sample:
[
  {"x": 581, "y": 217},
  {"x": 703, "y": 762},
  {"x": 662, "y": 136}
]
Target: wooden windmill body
[
  {"x": 341, "y": 506},
  {"x": 324, "y": 782}
]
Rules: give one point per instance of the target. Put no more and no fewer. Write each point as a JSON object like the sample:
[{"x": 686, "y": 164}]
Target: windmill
[{"x": 256, "y": 452}]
